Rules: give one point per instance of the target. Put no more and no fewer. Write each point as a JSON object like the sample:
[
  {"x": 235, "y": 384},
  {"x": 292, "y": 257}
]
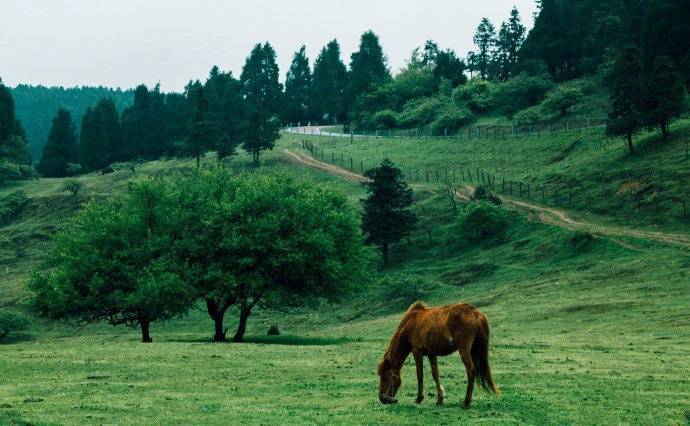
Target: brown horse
[{"x": 437, "y": 332}]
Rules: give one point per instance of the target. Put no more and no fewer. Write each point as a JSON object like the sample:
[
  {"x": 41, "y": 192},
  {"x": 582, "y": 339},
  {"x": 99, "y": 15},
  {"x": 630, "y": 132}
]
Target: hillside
[{"x": 573, "y": 318}]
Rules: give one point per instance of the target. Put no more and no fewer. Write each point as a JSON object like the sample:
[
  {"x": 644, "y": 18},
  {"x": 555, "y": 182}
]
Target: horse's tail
[{"x": 480, "y": 357}]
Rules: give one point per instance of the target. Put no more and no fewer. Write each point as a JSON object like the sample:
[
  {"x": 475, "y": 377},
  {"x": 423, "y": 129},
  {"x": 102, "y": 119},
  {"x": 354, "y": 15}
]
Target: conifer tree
[
  {"x": 328, "y": 84},
  {"x": 368, "y": 68},
  {"x": 510, "y": 39},
  {"x": 627, "y": 97},
  {"x": 665, "y": 95},
  {"x": 13, "y": 146},
  {"x": 260, "y": 79},
  {"x": 61, "y": 148},
  {"x": 485, "y": 40},
  {"x": 296, "y": 103}
]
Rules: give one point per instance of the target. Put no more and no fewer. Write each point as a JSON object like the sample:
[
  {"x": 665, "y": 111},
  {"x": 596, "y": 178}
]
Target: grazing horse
[{"x": 434, "y": 332}]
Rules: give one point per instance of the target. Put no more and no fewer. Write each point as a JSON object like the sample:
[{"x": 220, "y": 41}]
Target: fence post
[
  {"x": 351, "y": 166},
  {"x": 427, "y": 176}
]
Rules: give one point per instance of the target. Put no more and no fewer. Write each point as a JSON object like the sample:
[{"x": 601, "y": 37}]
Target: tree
[
  {"x": 260, "y": 79},
  {"x": 444, "y": 64},
  {"x": 510, "y": 39},
  {"x": 328, "y": 84},
  {"x": 61, "y": 148},
  {"x": 627, "y": 96},
  {"x": 202, "y": 134},
  {"x": 368, "y": 68},
  {"x": 665, "y": 95},
  {"x": 296, "y": 102},
  {"x": 128, "y": 274},
  {"x": 146, "y": 125},
  {"x": 100, "y": 139},
  {"x": 225, "y": 108},
  {"x": 485, "y": 40},
  {"x": 13, "y": 146},
  {"x": 387, "y": 216},
  {"x": 266, "y": 240},
  {"x": 260, "y": 133},
  {"x": 562, "y": 99}
]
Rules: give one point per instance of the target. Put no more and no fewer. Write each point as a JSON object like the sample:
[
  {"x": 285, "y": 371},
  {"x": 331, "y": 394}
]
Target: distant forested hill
[{"x": 36, "y": 106}]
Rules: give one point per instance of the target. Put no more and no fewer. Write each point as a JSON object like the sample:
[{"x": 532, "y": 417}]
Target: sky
[{"x": 122, "y": 43}]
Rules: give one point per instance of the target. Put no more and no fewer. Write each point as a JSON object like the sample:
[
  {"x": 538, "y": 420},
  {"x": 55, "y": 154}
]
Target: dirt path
[{"x": 545, "y": 214}]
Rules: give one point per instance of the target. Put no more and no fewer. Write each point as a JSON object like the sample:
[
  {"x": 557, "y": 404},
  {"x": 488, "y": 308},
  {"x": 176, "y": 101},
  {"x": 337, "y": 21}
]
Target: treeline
[{"x": 36, "y": 106}]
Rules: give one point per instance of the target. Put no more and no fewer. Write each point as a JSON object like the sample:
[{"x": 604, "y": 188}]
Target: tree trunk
[
  {"x": 217, "y": 313},
  {"x": 256, "y": 158},
  {"x": 631, "y": 147},
  {"x": 198, "y": 160},
  {"x": 386, "y": 257},
  {"x": 242, "y": 326},
  {"x": 664, "y": 131},
  {"x": 145, "y": 336}
]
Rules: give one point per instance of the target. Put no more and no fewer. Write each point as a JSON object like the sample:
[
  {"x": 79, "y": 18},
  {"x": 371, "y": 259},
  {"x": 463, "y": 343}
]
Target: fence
[{"x": 570, "y": 193}]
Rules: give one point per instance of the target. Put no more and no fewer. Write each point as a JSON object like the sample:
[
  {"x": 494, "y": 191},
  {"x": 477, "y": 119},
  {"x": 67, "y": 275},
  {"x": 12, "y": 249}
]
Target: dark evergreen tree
[
  {"x": 627, "y": 97},
  {"x": 510, "y": 39},
  {"x": 145, "y": 130},
  {"x": 202, "y": 134},
  {"x": 225, "y": 107},
  {"x": 13, "y": 146},
  {"x": 444, "y": 65},
  {"x": 100, "y": 138},
  {"x": 61, "y": 148},
  {"x": 387, "y": 216},
  {"x": 260, "y": 79},
  {"x": 296, "y": 102},
  {"x": 328, "y": 85},
  {"x": 665, "y": 94},
  {"x": 368, "y": 68},
  {"x": 485, "y": 40},
  {"x": 260, "y": 131}
]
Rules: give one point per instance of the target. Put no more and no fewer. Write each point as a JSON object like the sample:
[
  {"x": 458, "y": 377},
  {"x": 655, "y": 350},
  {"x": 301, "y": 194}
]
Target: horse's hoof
[{"x": 466, "y": 403}]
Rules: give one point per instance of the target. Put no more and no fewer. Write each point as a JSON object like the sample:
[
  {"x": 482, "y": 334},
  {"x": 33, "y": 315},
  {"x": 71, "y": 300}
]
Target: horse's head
[{"x": 389, "y": 382}]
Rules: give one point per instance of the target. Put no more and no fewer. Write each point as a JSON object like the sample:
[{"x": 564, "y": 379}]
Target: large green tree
[
  {"x": 61, "y": 149},
  {"x": 387, "y": 216},
  {"x": 146, "y": 124},
  {"x": 665, "y": 93},
  {"x": 510, "y": 39},
  {"x": 297, "y": 102},
  {"x": 100, "y": 139},
  {"x": 445, "y": 65},
  {"x": 627, "y": 97},
  {"x": 260, "y": 79},
  {"x": 13, "y": 146},
  {"x": 114, "y": 263},
  {"x": 368, "y": 68},
  {"x": 485, "y": 40},
  {"x": 328, "y": 85},
  {"x": 203, "y": 134}
]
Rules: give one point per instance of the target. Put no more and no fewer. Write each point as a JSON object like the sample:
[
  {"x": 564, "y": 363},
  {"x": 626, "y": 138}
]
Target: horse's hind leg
[
  {"x": 469, "y": 367},
  {"x": 419, "y": 363},
  {"x": 440, "y": 393}
]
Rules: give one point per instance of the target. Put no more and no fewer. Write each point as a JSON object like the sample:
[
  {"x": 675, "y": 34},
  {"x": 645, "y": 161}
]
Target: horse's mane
[{"x": 416, "y": 306}]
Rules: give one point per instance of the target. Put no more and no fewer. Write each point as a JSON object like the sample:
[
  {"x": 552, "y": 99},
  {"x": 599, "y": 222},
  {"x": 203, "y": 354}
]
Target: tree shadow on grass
[{"x": 286, "y": 340}]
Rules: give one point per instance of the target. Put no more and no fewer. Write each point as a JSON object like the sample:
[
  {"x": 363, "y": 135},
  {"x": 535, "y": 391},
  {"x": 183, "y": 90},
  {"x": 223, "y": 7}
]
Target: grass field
[{"x": 589, "y": 333}]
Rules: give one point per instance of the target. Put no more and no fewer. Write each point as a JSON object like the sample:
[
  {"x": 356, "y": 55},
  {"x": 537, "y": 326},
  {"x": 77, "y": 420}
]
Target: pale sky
[{"x": 121, "y": 43}]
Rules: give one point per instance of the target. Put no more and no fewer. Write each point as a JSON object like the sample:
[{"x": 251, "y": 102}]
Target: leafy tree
[
  {"x": 521, "y": 91},
  {"x": 61, "y": 148},
  {"x": 260, "y": 79},
  {"x": 627, "y": 97},
  {"x": 266, "y": 240},
  {"x": 297, "y": 102},
  {"x": 12, "y": 322},
  {"x": 510, "y": 39},
  {"x": 128, "y": 274},
  {"x": 100, "y": 139},
  {"x": 665, "y": 94},
  {"x": 387, "y": 216},
  {"x": 368, "y": 68},
  {"x": 562, "y": 99},
  {"x": 328, "y": 84},
  {"x": 444, "y": 63},
  {"x": 485, "y": 40},
  {"x": 260, "y": 133}
]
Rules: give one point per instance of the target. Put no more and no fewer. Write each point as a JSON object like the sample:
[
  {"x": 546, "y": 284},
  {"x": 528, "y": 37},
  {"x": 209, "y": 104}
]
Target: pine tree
[
  {"x": 260, "y": 79},
  {"x": 387, "y": 216},
  {"x": 627, "y": 97},
  {"x": 13, "y": 146},
  {"x": 485, "y": 40},
  {"x": 61, "y": 148},
  {"x": 94, "y": 149},
  {"x": 145, "y": 125},
  {"x": 328, "y": 84},
  {"x": 368, "y": 68},
  {"x": 510, "y": 39},
  {"x": 296, "y": 103},
  {"x": 665, "y": 94},
  {"x": 202, "y": 134}
]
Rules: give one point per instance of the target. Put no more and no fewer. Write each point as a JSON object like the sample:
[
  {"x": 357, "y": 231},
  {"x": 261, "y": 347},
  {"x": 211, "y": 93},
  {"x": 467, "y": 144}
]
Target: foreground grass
[{"x": 593, "y": 333}]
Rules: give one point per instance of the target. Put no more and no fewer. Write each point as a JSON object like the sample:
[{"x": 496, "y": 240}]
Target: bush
[
  {"x": 451, "y": 118},
  {"x": 12, "y": 322},
  {"x": 483, "y": 194},
  {"x": 402, "y": 290},
  {"x": 481, "y": 222},
  {"x": 12, "y": 172},
  {"x": 386, "y": 119},
  {"x": 72, "y": 185},
  {"x": 11, "y": 205},
  {"x": 528, "y": 116},
  {"x": 581, "y": 240},
  {"x": 420, "y": 112},
  {"x": 522, "y": 91},
  {"x": 478, "y": 95},
  {"x": 273, "y": 330},
  {"x": 561, "y": 100}
]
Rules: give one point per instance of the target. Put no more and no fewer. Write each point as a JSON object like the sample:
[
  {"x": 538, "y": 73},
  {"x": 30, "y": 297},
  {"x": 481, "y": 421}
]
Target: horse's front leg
[
  {"x": 419, "y": 363},
  {"x": 440, "y": 393}
]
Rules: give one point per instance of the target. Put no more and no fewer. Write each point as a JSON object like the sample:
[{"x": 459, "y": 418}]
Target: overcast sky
[{"x": 126, "y": 42}]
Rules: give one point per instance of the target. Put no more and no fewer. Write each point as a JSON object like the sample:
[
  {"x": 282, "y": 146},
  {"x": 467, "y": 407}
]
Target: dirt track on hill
[{"x": 544, "y": 214}]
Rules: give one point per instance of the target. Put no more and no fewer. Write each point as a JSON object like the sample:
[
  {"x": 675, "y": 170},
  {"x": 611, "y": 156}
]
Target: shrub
[
  {"x": 73, "y": 169},
  {"x": 482, "y": 194},
  {"x": 451, "y": 118},
  {"x": 482, "y": 222},
  {"x": 528, "y": 116},
  {"x": 478, "y": 95},
  {"x": 12, "y": 322},
  {"x": 273, "y": 330},
  {"x": 386, "y": 119},
  {"x": 11, "y": 205},
  {"x": 561, "y": 100},
  {"x": 11, "y": 172},
  {"x": 521, "y": 92},
  {"x": 420, "y": 112},
  {"x": 580, "y": 240},
  {"x": 72, "y": 185}
]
